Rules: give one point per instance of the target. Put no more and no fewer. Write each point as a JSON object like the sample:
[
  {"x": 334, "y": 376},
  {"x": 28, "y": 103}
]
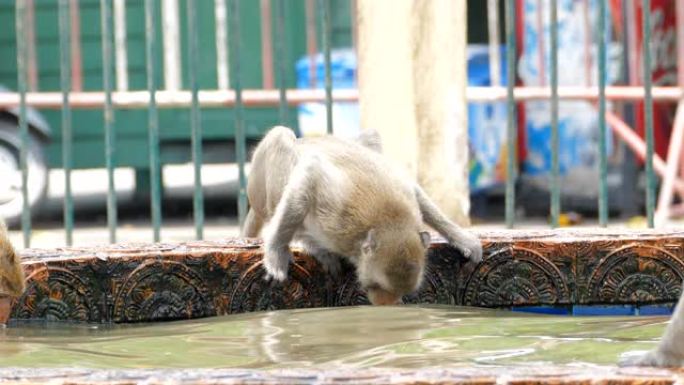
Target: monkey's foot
[
  {"x": 654, "y": 358},
  {"x": 277, "y": 262},
  {"x": 469, "y": 245}
]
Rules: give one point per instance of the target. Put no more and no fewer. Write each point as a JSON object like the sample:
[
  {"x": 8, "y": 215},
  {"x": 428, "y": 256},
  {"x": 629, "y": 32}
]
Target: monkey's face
[{"x": 392, "y": 265}]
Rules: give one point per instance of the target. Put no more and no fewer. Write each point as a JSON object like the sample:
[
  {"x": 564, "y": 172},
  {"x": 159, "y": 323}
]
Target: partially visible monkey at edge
[
  {"x": 341, "y": 199},
  {"x": 670, "y": 349},
  {"x": 11, "y": 273}
]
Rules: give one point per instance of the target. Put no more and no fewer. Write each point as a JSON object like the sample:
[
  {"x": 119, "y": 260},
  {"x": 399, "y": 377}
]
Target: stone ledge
[
  {"x": 155, "y": 282},
  {"x": 461, "y": 376}
]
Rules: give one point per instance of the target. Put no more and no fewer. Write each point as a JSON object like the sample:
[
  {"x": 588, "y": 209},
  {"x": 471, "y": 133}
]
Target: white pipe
[
  {"x": 171, "y": 33},
  {"x": 222, "y": 71},
  {"x": 120, "y": 45},
  {"x": 494, "y": 44}
]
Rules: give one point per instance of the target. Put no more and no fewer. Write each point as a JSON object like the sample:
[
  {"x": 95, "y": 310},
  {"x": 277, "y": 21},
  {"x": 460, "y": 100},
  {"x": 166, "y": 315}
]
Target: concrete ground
[{"x": 220, "y": 185}]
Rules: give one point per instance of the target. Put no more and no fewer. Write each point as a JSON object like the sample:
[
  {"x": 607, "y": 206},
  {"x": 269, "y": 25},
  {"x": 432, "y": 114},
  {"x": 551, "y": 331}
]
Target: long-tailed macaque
[
  {"x": 11, "y": 274},
  {"x": 670, "y": 350},
  {"x": 341, "y": 198}
]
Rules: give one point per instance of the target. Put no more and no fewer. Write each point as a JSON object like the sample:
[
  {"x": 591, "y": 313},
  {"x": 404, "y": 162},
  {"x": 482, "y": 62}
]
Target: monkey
[
  {"x": 342, "y": 200},
  {"x": 670, "y": 350},
  {"x": 11, "y": 273}
]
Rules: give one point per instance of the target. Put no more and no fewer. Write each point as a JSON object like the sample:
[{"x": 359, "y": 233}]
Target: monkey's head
[{"x": 392, "y": 264}]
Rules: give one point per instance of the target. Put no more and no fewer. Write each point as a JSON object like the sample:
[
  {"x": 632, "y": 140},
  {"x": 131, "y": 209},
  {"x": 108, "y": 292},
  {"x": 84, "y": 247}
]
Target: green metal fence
[
  {"x": 151, "y": 10},
  {"x": 283, "y": 98}
]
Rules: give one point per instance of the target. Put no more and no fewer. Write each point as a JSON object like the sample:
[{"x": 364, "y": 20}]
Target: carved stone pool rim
[
  {"x": 461, "y": 376},
  {"x": 156, "y": 282}
]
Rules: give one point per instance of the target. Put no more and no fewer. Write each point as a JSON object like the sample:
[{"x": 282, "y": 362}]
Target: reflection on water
[{"x": 407, "y": 337}]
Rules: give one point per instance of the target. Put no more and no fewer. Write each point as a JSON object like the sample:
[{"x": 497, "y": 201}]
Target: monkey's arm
[
  {"x": 670, "y": 350},
  {"x": 288, "y": 217},
  {"x": 470, "y": 245}
]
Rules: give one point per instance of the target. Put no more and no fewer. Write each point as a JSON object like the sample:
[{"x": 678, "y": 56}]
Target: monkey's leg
[
  {"x": 328, "y": 260},
  {"x": 289, "y": 217},
  {"x": 470, "y": 245},
  {"x": 670, "y": 351},
  {"x": 253, "y": 224}
]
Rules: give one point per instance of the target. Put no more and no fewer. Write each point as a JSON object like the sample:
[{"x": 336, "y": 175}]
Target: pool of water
[{"x": 353, "y": 337}]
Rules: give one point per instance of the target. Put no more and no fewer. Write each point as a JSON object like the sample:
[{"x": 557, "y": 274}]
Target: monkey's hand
[
  {"x": 276, "y": 262},
  {"x": 654, "y": 358},
  {"x": 469, "y": 245}
]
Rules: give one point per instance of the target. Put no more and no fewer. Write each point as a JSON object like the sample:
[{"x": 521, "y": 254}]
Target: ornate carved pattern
[
  {"x": 254, "y": 293},
  {"x": 57, "y": 294},
  {"x": 124, "y": 283},
  {"x": 162, "y": 290},
  {"x": 433, "y": 290},
  {"x": 637, "y": 273},
  {"x": 515, "y": 276},
  {"x": 349, "y": 292}
]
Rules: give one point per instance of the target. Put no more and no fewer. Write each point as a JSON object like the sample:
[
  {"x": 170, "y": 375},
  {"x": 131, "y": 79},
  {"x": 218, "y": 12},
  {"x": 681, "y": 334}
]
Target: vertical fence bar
[
  {"x": 195, "y": 118},
  {"x": 603, "y": 152},
  {"x": 648, "y": 110},
  {"x": 586, "y": 21},
  {"x": 67, "y": 136},
  {"x": 240, "y": 152},
  {"x": 30, "y": 30},
  {"x": 153, "y": 117},
  {"x": 353, "y": 16},
  {"x": 541, "y": 43},
  {"x": 22, "y": 57},
  {"x": 221, "y": 44},
  {"x": 555, "y": 144},
  {"x": 110, "y": 144},
  {"x": 324, "y": 6},
  {"x": 282, "y": 60},
  {"x": 512, "y": 134}
]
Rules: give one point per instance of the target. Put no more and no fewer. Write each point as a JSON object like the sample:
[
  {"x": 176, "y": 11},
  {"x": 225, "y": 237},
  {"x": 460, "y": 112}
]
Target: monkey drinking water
[
  {"x": 341, "y": 198},
  {"x": 11, "y": 273}
]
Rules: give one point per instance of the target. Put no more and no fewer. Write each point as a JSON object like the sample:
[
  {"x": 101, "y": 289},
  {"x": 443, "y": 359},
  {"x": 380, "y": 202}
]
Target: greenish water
[{"x": 406, "y": 337}]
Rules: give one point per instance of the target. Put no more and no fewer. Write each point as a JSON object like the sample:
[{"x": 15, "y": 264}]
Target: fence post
[
  {"x": 22, "y": 59},
  {"x": 412, "y": 90}
]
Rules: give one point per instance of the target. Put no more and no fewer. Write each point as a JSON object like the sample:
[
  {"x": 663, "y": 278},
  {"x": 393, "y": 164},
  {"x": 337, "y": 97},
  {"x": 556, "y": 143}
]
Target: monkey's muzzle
[{"x": 383, "y": 297}]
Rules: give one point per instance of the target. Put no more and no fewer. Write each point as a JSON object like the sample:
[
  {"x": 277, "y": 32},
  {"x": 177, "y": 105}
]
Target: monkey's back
[
  {"x": 271, "y": 166},
  {"x": 362, "y": 190}
]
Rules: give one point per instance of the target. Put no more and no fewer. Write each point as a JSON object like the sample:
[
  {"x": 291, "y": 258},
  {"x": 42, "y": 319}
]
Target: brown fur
[
  {"x": 341, "y": 198},
  {"x": 11, "y": 274}
]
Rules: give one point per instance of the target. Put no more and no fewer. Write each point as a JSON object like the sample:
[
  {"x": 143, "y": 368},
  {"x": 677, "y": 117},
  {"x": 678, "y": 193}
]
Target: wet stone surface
[
  {"x": 503, "y": 376},
  {"x": 155, "y": 282}
]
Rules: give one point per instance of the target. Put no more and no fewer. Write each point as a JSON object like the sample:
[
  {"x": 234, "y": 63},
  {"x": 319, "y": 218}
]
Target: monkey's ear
[
  {"x": 369, "y": 243},
  {"x": 425, "y": 238}
]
